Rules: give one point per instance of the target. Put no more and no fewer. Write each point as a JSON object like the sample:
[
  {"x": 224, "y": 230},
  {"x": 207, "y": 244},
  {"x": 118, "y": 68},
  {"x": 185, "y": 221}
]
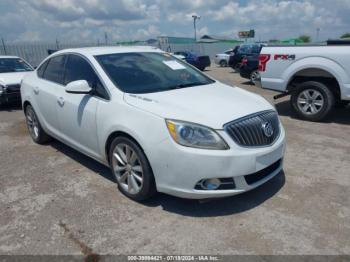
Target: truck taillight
[
  {"x": 244, "y": 61},
  {"x": 263, "y": 59}
]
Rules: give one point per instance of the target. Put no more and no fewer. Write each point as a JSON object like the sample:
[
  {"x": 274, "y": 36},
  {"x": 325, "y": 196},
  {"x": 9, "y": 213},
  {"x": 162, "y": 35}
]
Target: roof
[{"x": 101, "y": 50}]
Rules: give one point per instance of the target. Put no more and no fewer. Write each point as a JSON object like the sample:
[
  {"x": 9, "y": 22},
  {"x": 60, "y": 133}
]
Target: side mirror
[{"x": 78, "y": 87}]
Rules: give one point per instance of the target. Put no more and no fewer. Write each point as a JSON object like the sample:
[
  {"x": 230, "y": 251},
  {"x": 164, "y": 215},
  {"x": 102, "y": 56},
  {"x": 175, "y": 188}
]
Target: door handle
[
  {"x": 36, "y": 90},
  {"x": 60, "y": 101}
]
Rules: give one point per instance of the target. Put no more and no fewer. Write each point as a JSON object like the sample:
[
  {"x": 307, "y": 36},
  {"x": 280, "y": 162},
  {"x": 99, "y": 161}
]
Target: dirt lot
[{"x": 54, "y": 200}]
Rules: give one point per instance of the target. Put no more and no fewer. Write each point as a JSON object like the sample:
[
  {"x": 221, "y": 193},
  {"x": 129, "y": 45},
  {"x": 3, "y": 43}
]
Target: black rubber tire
[
  {"x": 251, "y": 77},
  {"x": 148, "y": 189},
  {"x": 223, "y": 63},
  {"x": 328, "y": 96},
  {"x": 42, "y": 137},
  {"x": 201, "y": 68}
]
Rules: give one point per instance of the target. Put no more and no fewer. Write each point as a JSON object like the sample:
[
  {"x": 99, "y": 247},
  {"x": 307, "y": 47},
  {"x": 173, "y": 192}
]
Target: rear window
[{"x": 14, "y": 65}]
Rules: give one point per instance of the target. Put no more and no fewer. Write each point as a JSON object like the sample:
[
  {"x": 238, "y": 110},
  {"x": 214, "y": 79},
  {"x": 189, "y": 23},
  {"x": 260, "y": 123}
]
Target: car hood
[
  {"x": 211, "y": 105},
  {"x": 12, "y": 78}
]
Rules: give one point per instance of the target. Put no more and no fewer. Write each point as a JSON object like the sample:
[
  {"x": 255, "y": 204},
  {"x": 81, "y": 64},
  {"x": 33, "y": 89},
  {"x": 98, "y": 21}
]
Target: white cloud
[{"x": 88, "y": 20}]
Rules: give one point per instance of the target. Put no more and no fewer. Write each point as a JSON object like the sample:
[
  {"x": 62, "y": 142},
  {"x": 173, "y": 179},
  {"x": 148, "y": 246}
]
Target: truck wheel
[
  {"x": 312, "y": 101},
  {"x": 254, "y": 76},
  {"x": 223, "y": 63}
]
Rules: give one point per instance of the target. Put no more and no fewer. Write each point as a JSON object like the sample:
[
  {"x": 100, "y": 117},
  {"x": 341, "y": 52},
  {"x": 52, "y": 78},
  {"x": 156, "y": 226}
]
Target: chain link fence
[{"x": 34, "y": 53}]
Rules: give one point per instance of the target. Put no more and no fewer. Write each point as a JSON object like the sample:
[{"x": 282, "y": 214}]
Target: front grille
[
  {"x": 255, "y": 130},
  {"x": 253, "y": 178}
]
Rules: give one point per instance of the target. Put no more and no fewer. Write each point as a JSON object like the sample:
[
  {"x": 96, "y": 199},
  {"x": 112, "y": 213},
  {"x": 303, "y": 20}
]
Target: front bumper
[
  {"x": 178, "y": 169},
  {"x": 6, "y": 98}
]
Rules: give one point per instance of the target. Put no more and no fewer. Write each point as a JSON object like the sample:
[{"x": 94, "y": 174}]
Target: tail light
[
  {"x": 244, "y": 61},
  {"x": 263, "y": 59}
]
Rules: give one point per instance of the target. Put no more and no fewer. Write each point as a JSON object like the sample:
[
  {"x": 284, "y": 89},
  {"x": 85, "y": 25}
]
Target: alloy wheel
[
  {"x": 32, "y": 123},
  {"x": 127, "y": 168},
  {"x": 254, "y": 76},
  {"x": 310, "y": 101}
]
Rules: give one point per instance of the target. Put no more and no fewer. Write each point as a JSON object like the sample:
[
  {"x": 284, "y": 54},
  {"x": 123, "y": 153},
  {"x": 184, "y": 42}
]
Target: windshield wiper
[{"x": 179, "y": 86}]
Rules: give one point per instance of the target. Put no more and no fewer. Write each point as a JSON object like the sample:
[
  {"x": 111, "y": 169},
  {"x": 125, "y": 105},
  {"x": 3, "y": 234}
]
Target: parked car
[
  {"x": 199, "y": 61},
  {"x": 250, "y": 68},
  {"x": 316, "y": 77},
  {"x": 12, "y": 71},
  {"x": 243, "y": 51},
  {"x": 223, "y": 59},
  {"x": 160, "y": 124}
]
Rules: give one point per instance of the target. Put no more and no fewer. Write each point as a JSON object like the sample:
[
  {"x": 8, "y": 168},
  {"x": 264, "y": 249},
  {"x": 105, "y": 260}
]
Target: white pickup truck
[{"x": 316, "y": 77}]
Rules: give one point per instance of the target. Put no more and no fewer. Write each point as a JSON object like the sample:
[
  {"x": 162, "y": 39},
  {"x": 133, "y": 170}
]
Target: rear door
[
  {"x": 77, "y": 112},
  {"x": 48, "y": 85}
]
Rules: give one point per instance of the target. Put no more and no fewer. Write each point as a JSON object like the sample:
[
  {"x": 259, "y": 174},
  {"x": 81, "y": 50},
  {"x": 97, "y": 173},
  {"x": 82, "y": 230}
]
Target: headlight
[{"x": 194, "y": 135}]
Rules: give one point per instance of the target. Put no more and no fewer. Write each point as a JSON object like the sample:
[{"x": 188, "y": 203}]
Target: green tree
[
  {"x": 305, "y": 38},
  {"x": 346, "y": 35}
]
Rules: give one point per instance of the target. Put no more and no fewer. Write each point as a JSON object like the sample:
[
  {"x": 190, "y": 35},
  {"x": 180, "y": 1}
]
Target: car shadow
[
  {"x": 84, "y": 160},
  {"x": 187, "y": 207},
  {"x": 247, "y": 83},
  {"x": 221, "y": 206},
  {"x": 338, "y": 116}
]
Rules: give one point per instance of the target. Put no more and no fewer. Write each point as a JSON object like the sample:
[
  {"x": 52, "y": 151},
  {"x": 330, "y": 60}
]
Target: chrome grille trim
[{"x": 248, "y": 131}]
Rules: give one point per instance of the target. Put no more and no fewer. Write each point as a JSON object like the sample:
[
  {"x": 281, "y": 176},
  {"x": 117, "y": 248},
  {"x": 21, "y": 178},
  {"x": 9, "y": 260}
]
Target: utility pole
[
  {"x": 57, "y": 44},
  {"x": 106, "y": 38},
  {"x": 195, "y": 18},
  {"x": 4, "y": 46}
]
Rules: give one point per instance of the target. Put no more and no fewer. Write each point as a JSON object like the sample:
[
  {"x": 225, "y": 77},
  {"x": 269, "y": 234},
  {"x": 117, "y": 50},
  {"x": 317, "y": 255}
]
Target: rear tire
[
  {"x": 312, "y": 101},
  {"x": 131, "y": 169},
  {"x": 35, "y": 129},
  {"x": 254, "y": 76}
]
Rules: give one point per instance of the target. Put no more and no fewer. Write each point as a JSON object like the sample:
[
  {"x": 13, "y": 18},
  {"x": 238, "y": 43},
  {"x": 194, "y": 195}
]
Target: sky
[{"x": 125, "y": 20}]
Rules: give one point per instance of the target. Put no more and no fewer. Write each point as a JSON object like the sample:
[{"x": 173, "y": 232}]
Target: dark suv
[
  {"x": 244, "y": 50},
  {"x": 199, "y": 61}
]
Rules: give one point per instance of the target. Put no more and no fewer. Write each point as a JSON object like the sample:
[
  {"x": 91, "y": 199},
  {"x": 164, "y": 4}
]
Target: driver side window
[{"x": 77, "y": 68}]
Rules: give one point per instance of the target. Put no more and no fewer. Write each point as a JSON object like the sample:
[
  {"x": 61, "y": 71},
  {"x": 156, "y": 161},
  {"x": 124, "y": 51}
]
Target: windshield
[
  {"x": 150, "y": 72},
  {"x": 11, "y": 65}
]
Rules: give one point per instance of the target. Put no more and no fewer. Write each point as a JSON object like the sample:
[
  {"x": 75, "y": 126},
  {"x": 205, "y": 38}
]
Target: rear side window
[
  {"x": 55, "y": 69},
  {"x": 77, "y": 68}
]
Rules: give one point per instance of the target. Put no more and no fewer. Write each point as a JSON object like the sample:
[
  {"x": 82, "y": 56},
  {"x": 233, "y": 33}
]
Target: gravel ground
[{"x": 54, "y": 200}]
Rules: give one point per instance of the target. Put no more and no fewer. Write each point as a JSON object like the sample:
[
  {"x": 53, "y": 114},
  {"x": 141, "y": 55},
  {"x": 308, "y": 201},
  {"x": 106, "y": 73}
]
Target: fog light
[{"x": 211, "y": 184}]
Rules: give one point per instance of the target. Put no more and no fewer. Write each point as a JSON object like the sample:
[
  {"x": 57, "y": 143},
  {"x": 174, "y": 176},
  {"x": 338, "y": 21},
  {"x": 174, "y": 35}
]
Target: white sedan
[
  {"x": 160, "y": 124},
  {"x": 12, "y": 71}
]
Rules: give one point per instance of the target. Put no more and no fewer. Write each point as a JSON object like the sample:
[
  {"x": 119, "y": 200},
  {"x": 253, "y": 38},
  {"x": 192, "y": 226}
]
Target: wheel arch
[
  {"x": 25, "y": 104},
  {"x": 315, "y": 74},
  {"x": 114, "y": 135}
]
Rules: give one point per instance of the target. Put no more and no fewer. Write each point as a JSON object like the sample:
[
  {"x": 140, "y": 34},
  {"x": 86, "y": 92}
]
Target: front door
[{"x": 77, "y": 112}]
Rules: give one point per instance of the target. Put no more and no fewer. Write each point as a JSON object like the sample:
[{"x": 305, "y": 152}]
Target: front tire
[
  {"x": 313, "y": 101},
  {"x": 35, "y": 129},
  {"x": 131, "y": 169}
]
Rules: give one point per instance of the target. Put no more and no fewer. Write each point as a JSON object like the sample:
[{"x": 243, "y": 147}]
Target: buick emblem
[{"x": 267, "y": 129}]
